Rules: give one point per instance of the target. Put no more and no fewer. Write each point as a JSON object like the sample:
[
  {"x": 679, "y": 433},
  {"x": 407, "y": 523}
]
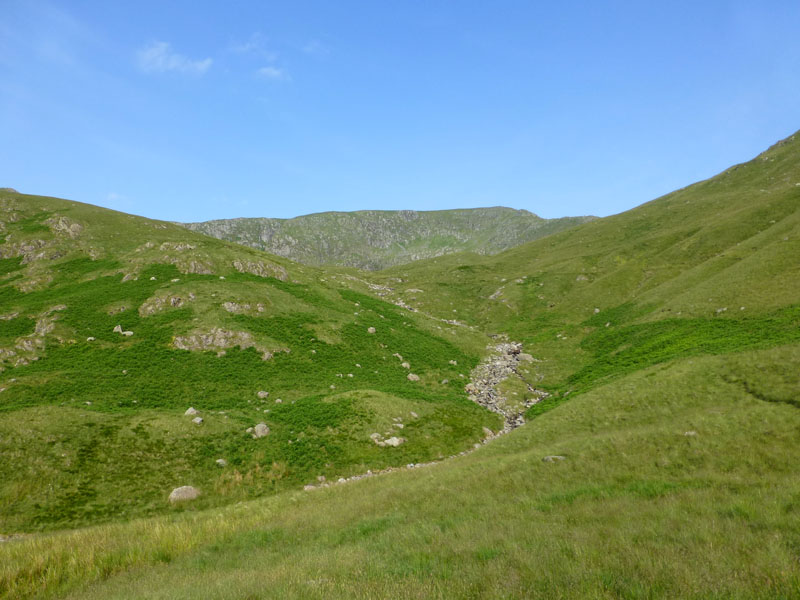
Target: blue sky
[{"x": 198, "y": 110}]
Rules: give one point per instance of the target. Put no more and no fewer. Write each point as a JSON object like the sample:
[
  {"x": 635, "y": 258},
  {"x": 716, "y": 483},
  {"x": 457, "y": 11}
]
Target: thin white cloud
[
  {"x": 256, "y": 45},
  {"x": 158, "y": 57},
  {"x": 271, "y": 73},
  {"x": 315, "y": 48}
]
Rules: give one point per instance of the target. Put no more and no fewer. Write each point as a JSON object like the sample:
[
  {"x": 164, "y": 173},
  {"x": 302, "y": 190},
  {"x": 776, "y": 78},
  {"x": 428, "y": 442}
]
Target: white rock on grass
[
  {"x": 260, "y": 430},
  {"x": 190, "y": 411},
  {"x": 221, "y": 462},
  {"x": 263, "y": 394},
  {"x": 553, "y": 458},
  {"x": 405, "y": 365},
  {"x": 394, "y": 441},
  {"x": 412, "y": 377},
  {"x": 183, "y": 493},
  {"x": 118, "y": 329},
  {"x": 197, "y": 420},
  {"x": 370, "y": 330}
]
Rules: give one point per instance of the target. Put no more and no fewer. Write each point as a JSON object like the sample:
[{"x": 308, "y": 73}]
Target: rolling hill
[
  {"x": 662, "y": 463},
  {"x": 376, "y": 239}
]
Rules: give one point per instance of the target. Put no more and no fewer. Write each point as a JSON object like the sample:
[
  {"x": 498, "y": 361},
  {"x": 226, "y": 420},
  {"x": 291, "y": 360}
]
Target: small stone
[
  {"x": 263, "y": 394},
  {"x": 197, "y": 420},
  {"x": 414, "y": 415},
  {"x": 190, "y": 411},
  {"x": 523, "y": 357},
  {"x": 405, "y": 365},
  {"x": 596, "y": 310},
  {"x": 488, "y": 432},
  {"x": 690, "y": 433},
  {"x": 321, "y": 478},
  {"x": 152, "y": 279},
  {"x": 394, "y": 441},
  {"x": 127, "y": 333},
  {"x": 221, "y": 462},
  {"x": 309, "y": 487},
  {"x": 553, "y": 458},
  {"x": 453, "y": 362},
  {"x": 183, "y": 493},
  {"x": 412, "y": 377},
  {"x": 118, "y": 329},
  {"x": 370, "y": 330},
  {"x": 90, "y": 339},
  {"x": 279, "y": 401},
  {"x": 261, "y": 430}
]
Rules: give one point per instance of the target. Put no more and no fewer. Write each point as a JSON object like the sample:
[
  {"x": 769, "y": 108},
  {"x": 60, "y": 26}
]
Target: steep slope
[
  {"x": 376, "y": 239},
  {"x": 112, "y": 326}
]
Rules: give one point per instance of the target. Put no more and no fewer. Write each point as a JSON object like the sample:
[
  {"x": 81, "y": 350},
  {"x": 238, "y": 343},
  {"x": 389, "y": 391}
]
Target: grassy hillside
[
  {"x": 709, "y": 269},
  {"x": 669, "y": 339},
  {"x": 93, "y": 425},
  {"x": 376, "y": 239}
]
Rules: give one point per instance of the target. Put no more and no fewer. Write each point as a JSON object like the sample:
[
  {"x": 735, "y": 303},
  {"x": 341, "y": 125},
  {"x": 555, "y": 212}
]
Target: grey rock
[
  {"x": 412, "y": 377},
  {"x": 553, "y": 458},
  {"x": 183, "y": 494},
  {"x": 261, "y": 430},
  {"x": 221, "y": 462},
  {"x": 190, "y": 411},
  {"x": 197, "y": 420},
  {"x": 371, "y": 330}
]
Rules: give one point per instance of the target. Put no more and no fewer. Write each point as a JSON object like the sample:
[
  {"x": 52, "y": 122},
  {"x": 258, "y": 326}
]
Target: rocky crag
[{"x": 377, "y": 239}]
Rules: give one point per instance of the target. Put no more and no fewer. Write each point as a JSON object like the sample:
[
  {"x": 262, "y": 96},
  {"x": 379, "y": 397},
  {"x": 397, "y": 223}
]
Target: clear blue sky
[{"x": 197, "y": 110}]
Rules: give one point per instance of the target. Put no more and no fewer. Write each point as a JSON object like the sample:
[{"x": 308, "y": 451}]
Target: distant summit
[{"x": 377, "y": 239}]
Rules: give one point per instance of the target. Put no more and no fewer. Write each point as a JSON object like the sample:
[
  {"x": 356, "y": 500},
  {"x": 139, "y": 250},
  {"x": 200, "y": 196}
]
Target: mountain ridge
[{"x": 378, "y": 239}]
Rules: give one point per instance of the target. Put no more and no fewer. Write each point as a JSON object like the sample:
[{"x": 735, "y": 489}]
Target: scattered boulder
[
  {"x": 394, "y": 441},
  {"x": 405, "y": 365},
  {"x": 523, "y": 357},
  {"x": 91, "y": 338},
  {"x": 260, "y": 430},
  {"x": 263, "y": 394},
  {"x": 183, "y": 494},
  {"x": 553, "y": 458},
  {"x": 370, "y": 330},
  {"x": 221, "y": 462},
  {"x": 412, "y": 377},
  {"x": 127, "y": 333},
  {"x": 197, "y": 420},
  {"x": 118, "y": 329},
  {"x": 690, "y": 433},
  {"x": 453, "y": 362},
  {"x": 488, "y": 432},
  {"x": 190, "y": 411}
]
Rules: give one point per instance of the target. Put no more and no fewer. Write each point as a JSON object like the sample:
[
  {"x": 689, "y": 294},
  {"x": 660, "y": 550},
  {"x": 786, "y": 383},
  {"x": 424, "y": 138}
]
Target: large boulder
[{"x": 183, "y": 494}]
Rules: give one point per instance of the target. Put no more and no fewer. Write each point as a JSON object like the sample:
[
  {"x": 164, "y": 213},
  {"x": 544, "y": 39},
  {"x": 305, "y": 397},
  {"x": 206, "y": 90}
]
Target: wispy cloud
[
  {"x": 271, "y": 73},
  {"x": 158, "y": 57},
  {"x": 256, "y": 45},
  {"x": 315, "y": 48}
]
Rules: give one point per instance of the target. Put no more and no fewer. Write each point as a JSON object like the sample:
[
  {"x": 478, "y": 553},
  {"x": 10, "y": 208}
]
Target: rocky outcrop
[
  {"x": 501, "y": 364},
  {"x": 218, "y": 339}
]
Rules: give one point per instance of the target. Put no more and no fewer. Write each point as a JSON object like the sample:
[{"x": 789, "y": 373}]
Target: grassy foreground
[{"x": 677, "y": 482}]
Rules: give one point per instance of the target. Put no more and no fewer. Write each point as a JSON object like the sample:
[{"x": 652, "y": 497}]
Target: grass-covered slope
[
  {"x": 710, "y": 269},
  {"x": 377, "y": 239},
  {"x": 676, "y": 483},
  {"x": 92, "y": 423},
  {"x": 670, "y": 338}
]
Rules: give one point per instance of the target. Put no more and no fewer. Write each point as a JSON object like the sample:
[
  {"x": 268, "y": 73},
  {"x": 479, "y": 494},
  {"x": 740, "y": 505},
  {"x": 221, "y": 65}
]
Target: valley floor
[{"x": 678, "y": 482}]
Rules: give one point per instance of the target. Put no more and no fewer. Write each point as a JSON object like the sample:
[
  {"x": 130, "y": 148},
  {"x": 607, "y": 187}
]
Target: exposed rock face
[
  {"x": 261, "y": 269},
  {"x": 156, "y": 304},
  {"x": 218, "y": 339},
  {"x": 375, "y": 239},
  {"x": 64, "y": 226},
  {"x": 184, "y": 494},
  {"x": 487, "y": 376}
]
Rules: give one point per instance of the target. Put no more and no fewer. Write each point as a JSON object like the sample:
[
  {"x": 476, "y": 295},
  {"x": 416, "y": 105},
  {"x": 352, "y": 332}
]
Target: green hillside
[
  {"x": 113, "y": 326},
  {"x": 377, "y": 239},
  {"x": 661, "y": 465}
]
